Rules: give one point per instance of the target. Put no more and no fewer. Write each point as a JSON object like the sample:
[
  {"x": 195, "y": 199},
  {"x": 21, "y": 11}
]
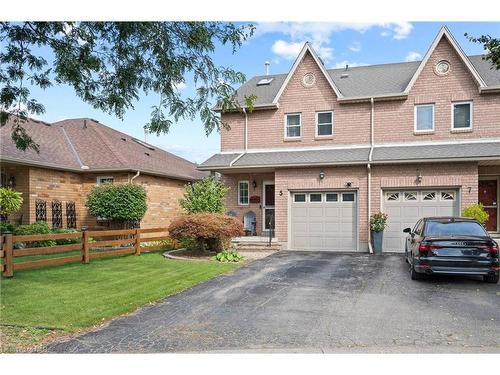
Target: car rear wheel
[
  {"x": 492, "y": 278},
  {"x": 414, "y": 274}
]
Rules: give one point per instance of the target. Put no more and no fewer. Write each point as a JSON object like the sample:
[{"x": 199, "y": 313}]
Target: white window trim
[
  {"x": 300, "y": 125},
  {"x": 317, "y": 125},
  {"x": 314, "y": 202},
  {"x": 248, "y": 189},
  {"x": 349, "y": 192},
  {"x": 453, "y": 104},
  {"x": 337, "y": 194},
  {"x": 305, "y": 197},
  {"x": 100, "y": 178},
  {"x": 415, "y": 129}
]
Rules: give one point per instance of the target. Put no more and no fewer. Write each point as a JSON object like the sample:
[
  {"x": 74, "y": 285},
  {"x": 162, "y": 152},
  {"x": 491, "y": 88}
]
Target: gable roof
[
  {"x": 445, "y": 33},
  {"x": 364, "y": 82},
  {"x": 85, "y": 145},
  {"x": 305, "y": 49}
]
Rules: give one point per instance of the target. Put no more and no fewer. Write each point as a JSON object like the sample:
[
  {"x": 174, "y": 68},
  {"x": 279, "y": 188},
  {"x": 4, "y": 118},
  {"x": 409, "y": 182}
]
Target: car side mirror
[{"x": 407, "y": 230}]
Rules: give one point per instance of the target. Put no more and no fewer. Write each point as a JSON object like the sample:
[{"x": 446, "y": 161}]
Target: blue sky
[{"x": 337, "y": 44}]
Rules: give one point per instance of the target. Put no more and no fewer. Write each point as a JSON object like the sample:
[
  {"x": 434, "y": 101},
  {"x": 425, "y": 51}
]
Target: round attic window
[
  {"x": 309, "y": 79},
  {"x": 442, "y": 67}
]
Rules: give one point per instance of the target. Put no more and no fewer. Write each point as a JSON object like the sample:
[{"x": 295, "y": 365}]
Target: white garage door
[
  {"x": 405, "y": 207},
  {"x": 324, "y": 221}
]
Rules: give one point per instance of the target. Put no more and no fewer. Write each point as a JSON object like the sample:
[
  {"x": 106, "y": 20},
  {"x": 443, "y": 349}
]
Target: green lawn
[{"x": 74, "y": 296}]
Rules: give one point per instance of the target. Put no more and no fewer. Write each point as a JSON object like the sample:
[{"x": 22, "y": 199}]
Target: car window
[
  {"x": 454, "y": 228},
  {"x": 418, "y": 227}
]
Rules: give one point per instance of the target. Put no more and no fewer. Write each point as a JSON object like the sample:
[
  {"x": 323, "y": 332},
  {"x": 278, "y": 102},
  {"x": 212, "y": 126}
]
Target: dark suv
[{"x": 453, "y": 246}]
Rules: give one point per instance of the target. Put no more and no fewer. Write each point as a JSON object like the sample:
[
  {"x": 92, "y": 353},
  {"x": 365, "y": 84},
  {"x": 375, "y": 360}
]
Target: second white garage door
[
  {"x": 324, "y": 221},
  {"x": 405, "y": 207}
]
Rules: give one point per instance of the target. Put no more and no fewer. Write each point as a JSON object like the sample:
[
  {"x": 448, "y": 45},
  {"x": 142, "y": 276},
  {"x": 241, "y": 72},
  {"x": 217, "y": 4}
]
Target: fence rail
[{"x": 123, "y": 241}]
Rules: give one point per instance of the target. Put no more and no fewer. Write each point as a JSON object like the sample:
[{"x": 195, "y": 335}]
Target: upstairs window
[
  {"x": 243, "y": 193},
  {"x": 424, "y": 118},
  {"x": 324, "y": 124},
  {"x": 292, "y": 125},
  {"x": 461, "y": 116}
]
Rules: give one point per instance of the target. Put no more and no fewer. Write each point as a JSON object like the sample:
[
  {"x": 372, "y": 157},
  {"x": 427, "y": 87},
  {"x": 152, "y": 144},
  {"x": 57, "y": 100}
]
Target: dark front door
[
  {"x": 268, "y": 206},
  {"x": 488, "y": 196}
]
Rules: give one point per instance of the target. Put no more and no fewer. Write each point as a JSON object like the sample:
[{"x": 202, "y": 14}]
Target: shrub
[
  {"x": 66, "y": 241},
  {"x": 121, "y": 203},
  {"x": 228, "y": 256},
  {"x": 212, "y": 231},
  {"x": 204, "y": 196},
  {"x": 40, "y": 227},
  {"x": 378, "y": 222},
  {"x": 6, "y": 226},
  {"x": 476, "y": 211},
  {"x": 10, "y": 201}
]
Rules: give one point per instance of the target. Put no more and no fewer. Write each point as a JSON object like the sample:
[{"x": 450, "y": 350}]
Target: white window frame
[
  {"x": 453, "y": 104},
  {"x": 99, "y": 180},
  {"x": 415, "y": 129},
  {"x": 305, "y": 198},
  {"x": 349, "y": 192},
  {"x": 326, "y": 197},
  {"x": 320, "y": 194},
  {"x": 286, "y": 125},
  {"x": 317, "y": 125},
  {"x": 239, "y": 195}
]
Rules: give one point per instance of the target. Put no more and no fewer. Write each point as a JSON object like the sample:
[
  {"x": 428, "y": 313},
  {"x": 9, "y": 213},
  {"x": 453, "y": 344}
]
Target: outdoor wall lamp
[
  {"x": 321, "y": 175},
  {"x": 419, "y": 176},
  {"x": 348, "y": 184},
  {"x": 281, "y": 193},
  {"x": 254, "y": 184}
]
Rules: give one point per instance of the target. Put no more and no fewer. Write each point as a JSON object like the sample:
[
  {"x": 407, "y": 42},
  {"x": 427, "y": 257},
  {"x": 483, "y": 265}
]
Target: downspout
[
  {"x": 369, "y": 168},
  {"x": 135, "y": 176}
]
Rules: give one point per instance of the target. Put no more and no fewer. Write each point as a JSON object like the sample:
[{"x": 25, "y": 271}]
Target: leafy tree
[
  {"x": 204, "y": 196},
  {"x": 492, "y": 45},
  {"x": 10, "y": 201},
  {"x": 109, "y": 64},
  {"x": 117, "y": 203}
]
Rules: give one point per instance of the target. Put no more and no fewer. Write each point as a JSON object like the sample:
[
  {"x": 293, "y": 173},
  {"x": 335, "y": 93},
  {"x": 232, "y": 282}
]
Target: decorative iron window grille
[
  {"x": 70, "y": 214},
  {"x": 40, "y": 210},
  {"x": 56, "y": 214}
]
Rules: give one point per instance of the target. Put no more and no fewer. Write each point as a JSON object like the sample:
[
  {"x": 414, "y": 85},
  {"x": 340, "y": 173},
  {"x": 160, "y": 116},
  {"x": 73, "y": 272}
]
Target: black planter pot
[{"x": 377, "y": 238}]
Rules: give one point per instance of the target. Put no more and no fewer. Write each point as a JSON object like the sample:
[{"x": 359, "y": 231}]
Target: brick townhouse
[
  {"x": 76, "y": 155},
  {"x": 325, "y": 148}
]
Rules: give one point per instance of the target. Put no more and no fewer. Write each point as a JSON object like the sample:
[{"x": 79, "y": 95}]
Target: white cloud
[
  {"x": 385, "y": 33},
  {"x": 287, "y": 50},
  {"x": 342, "y": 64},
  {"x": 355, "y": 47},
  {"x": 413, "y": 56},
  {"x": 402, "y": 30}
]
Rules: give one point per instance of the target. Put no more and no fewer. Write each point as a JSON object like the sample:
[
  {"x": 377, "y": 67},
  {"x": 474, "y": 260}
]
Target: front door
[
  {"x": 488, "y": 196},
  {"x": 268, "y": 207}
]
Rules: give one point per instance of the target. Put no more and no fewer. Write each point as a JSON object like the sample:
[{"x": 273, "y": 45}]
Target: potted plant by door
[{"x": 378, "y": 222}]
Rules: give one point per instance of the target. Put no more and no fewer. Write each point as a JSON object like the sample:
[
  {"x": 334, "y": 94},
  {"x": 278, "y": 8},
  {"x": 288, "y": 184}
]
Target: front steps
[{"x": 255, "y": 243}]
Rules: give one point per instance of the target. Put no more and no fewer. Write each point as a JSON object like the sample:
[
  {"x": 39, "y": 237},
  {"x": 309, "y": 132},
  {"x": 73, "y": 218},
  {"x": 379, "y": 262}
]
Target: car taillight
[
  {"x": 425, "y": 247},
  {"x": 493, "y": 249}
]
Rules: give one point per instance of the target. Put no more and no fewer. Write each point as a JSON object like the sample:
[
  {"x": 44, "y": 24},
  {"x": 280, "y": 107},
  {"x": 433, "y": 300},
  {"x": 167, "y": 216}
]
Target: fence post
[
  {"x": 137, "y": 243},
  {"x": 9, "y": 253},
  {"x": 85, "y": 246}
]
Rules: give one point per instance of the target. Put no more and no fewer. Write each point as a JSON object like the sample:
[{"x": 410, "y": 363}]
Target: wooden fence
[{"x": 91, "y": 245}]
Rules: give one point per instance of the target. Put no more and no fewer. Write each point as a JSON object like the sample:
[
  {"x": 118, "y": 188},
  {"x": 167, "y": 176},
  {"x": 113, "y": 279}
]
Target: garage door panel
[
  {"x": 324, "y": 225},
  {"x": 405, "y": 214}
]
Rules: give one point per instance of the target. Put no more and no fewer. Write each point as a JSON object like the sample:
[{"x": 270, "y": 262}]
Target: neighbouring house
[
  {"x": 77, "y": 154},
  {"x": 325, "y": 148}
]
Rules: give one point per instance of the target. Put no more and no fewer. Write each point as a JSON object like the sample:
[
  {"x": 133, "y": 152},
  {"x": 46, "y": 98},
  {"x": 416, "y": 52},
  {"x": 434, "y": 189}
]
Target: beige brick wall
[{"x": 394, "y": 120}]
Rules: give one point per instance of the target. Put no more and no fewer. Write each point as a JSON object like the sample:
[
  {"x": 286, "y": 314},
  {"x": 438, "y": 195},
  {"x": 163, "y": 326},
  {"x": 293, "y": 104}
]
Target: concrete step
[{"x": 253, "y": 246}]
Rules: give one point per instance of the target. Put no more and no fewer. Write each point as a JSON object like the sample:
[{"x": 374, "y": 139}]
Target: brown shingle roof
[{"x": 76, "y": 143}]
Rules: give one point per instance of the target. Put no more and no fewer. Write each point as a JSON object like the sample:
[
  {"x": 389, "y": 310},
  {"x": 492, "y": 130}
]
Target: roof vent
[
  {"x": 266, "y": 64},
  {"x": 144, "y": 144},
  {"x": 346, "y": 67},
  {"x": 265, "y": 81},
  {"x": 84, "y": 124},
  {"x": 344, "y": 75},
  {"x": 147, "y": 153},
  {"x": 124, "y": 139}
]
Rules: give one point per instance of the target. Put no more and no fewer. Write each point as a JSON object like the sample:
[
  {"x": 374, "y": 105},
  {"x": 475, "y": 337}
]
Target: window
[
  {"x": 424, "y": 118},
  {"x": 315, "y": 197},
  {"x": 332, "y": 197},
  {"x": 447, "y": 195},
  {"x": 299, "y": 198},
  {"x": 418, "y": 227},
  {"x": 243, "y": 193},
  {"x": 461, "y": 116},
  {"x": 429, "y": 195},
  {"x": 410, "y": 196},
  {"x": 348, "y": 197},
  {"x": 292, "y": 125},
  {"x": 102, "y": 180},
  {"x": 392, "y": 196},
  {"x": 324, "y": 124}
]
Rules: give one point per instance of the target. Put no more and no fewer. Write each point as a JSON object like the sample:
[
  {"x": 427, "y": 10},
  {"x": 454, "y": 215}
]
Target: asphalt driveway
[{"x": 311, "y": 302}]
